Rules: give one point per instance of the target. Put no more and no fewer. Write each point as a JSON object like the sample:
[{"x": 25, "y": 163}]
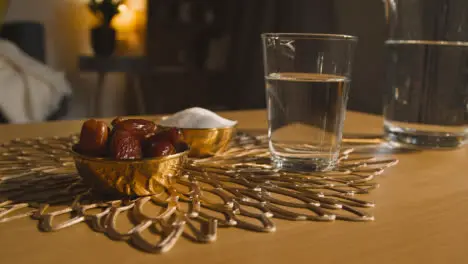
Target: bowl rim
[
  {"x": 201, "y": 129},
  {"x": 105, "y": 159}
]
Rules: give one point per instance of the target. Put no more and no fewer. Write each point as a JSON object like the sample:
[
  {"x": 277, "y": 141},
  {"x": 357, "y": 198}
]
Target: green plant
[{"x": 105, "y": 10}]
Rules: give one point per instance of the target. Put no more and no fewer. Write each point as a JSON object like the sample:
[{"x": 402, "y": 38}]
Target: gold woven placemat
[{"x": 238, "y": 189}]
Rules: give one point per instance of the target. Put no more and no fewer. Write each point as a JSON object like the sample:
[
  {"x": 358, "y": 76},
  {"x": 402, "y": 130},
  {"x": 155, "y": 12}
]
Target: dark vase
[{"x": 103, "y": 40}]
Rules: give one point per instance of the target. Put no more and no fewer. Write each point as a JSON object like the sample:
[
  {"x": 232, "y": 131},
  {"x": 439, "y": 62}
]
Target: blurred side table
[{"x": 132, "y": 66}]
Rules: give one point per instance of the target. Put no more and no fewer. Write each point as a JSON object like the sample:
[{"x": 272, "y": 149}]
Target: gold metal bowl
[
  {"x": 130, "y": 177},
  {"x": 205, "y": 142}
]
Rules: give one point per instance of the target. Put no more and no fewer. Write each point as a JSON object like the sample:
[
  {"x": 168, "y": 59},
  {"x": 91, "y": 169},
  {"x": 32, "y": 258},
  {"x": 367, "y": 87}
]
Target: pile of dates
[{"x": 129, "y": 139}]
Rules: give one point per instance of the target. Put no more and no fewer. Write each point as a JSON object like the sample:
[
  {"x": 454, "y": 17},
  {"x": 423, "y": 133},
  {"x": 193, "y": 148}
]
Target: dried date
[
  {"x": 117, "y": 120},
  {"x": 125, "y": 146},
  {"x": 154, "y": 147},
  {"x": 139, "y": 128},
  {"x": 93, "y": 138},
  {"x": 173, "y": 135}
]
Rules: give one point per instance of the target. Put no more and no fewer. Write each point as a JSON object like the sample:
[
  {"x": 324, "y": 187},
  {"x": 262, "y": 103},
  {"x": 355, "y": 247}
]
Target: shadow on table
[{"x": 38, "y": 187}]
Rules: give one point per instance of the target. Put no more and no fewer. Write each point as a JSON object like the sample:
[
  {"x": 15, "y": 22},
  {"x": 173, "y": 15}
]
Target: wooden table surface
[{"x": 421, "y": 217}]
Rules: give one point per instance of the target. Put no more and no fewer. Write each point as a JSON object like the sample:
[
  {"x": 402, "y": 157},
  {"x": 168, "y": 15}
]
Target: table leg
[
  {"x": 138, "y": 95},
  {"x": 98, "y": 94},
  {"x": 92, "y": 99}
]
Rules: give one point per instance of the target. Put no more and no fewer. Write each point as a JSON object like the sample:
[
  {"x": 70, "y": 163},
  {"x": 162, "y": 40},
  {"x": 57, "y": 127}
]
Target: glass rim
[{"x": 311, "y": 36}]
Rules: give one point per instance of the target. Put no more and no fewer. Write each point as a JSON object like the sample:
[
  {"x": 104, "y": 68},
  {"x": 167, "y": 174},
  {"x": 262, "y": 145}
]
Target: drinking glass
[
  {"x": 307, "y": 80},
  {"x": 426, "y": 94}
]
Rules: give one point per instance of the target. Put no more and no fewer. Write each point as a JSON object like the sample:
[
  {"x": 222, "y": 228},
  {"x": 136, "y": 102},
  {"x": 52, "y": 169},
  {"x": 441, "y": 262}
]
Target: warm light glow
[
  {"x": 130, "y": 25},
  {"x": 126, "y": 20},
  {"x": 123, "y": 8},
  {"x": 139, "y": 5}
]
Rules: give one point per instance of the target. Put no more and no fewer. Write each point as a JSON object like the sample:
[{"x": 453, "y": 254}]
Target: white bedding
[{"x": 29, "y": 90}]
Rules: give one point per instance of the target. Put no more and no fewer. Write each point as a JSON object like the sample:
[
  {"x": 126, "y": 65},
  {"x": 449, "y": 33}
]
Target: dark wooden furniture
[
  {"x": 184, "y": 71},
  {"x": 216, "y": 45},
  {"x": 365, "y": 20}
]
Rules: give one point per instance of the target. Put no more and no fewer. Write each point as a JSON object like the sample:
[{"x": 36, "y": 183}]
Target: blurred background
[{"x": 160, "y": 56}]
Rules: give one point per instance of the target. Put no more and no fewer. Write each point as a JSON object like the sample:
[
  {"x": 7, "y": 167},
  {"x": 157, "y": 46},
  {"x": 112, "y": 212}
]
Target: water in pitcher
[
  {"x": 306, "y": 113},
  {"x": 426, "y": 101}
]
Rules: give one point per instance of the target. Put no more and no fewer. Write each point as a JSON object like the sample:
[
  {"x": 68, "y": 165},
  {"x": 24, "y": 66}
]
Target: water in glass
[
  {"x": 426, "y": 101},
  {"x": 306, "y": 113}
]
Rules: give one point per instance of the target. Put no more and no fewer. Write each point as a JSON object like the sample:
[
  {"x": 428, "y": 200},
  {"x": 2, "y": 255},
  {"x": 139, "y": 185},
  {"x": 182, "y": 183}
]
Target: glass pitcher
[{"x": 426, "y": 93}]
